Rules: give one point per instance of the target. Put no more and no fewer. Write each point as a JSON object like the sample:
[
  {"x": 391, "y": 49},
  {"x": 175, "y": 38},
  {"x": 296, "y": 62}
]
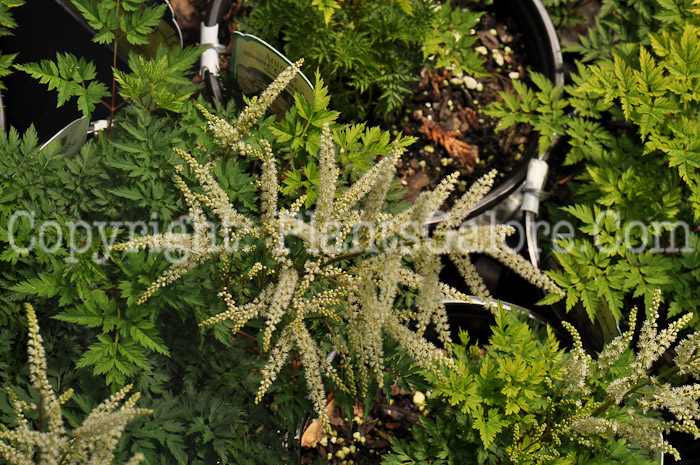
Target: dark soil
[
  {"x": 387, "y": 419},
  {"x": 446, "y": 114}
]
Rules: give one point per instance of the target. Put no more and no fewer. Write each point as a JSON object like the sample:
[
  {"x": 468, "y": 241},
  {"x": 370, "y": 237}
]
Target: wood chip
[{"x": 415, "y": 184}]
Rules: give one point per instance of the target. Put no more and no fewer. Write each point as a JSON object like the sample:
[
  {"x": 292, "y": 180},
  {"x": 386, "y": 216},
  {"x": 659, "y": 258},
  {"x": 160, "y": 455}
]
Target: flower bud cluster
[
  {"x": 637, "y": 391},
  {"x": 93, "y": 442}
]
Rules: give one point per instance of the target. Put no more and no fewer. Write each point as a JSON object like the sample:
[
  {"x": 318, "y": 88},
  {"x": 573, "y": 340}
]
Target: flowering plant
[
  {"x": 335, "y": 277},
  {"x": 524, "y": 400},
  {"x": 93, "y": 442}
]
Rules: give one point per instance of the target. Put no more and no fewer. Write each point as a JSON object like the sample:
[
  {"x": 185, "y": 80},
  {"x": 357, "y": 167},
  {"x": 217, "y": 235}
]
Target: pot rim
[{"x": 505, "y": 189}]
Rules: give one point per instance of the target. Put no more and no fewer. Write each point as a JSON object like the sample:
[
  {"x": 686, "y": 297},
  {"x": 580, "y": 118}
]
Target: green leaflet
[
  {"x": 159, "y": 82},
  {"x": 636, "y": 140},
  {"x": 70, "y": 77},
  {"x": 113, "y": 20}
]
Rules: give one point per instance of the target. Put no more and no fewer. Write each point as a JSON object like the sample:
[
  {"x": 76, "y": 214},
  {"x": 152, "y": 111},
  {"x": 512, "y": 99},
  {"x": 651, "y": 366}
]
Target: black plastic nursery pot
[
  {"x": 477, "y": 318},
  {"x": 508, "y": 286},
  {"x": 544, "y": 56},
  {"x": 594, "y": 333},
  {"x": 543, "y": 52},
  {"x": 50, "y": 28},
  {"x": 42, "y": 32}
]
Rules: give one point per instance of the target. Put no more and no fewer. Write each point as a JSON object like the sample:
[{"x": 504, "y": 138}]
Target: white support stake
[
  {"x": 209, "y": 35},
  {"x": 534, "y": 183}
]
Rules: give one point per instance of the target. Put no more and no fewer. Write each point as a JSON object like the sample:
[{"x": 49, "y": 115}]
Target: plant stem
[
  {"x": 301, "y": 136},
  {"x": 114, "y": 91},
  {"x": 243, "y": 333},
  {"x": 112, "y": 108},
  {"x": 41, "y": 411},
  {"x": 609, "y": 401},
  {"x": 217, "y": 275},
  {"x": 119, "y": 317}
]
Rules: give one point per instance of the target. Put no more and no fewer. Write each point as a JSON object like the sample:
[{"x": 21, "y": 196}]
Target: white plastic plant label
[
  {"x": 255, "y": 64},
  {"x": 71, "y": 138}
]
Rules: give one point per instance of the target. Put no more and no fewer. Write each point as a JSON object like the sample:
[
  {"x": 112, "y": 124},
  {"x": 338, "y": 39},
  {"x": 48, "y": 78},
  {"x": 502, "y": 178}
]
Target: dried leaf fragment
[
  {"x": 314, "y": 432},
  {"x": 464, "y": 153}
]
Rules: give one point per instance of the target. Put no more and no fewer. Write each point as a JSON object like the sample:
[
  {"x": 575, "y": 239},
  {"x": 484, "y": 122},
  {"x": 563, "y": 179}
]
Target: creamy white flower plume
[
  {"x": 340, "y": 269},
  {"x": 328, "y": 177},
  {"x": 92, "y": 443}
]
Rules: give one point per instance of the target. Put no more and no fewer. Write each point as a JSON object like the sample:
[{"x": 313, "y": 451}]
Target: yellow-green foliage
[{"x": 523, "y": 400}]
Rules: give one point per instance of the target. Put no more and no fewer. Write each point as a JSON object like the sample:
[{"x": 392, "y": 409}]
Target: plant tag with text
[
  {"x": 71, "y": 138},
  {"x": 255, "y": 64}
]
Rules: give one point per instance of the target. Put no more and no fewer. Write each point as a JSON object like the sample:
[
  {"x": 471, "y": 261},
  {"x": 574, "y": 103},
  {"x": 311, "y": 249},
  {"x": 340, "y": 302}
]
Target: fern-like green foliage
[
  {"x": 633, "y": 123},
  {"x": 622, "y": 25},
  {"x": 110, "y": 356},
  {"x": 7, "y": 23},
  {"x": 153, "y": 83},
  {"x": 70, "y": 77},
  {"x": 369, "y": 50},
  {"x": 7, "y": 20},
  {"x": 524, "y": 400},
  {"x": 159, "y": 82},
  {"x": 520, "y": 107},
  {"x": 46, "y": 186},
  {"x": 661, "y": 96}
]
